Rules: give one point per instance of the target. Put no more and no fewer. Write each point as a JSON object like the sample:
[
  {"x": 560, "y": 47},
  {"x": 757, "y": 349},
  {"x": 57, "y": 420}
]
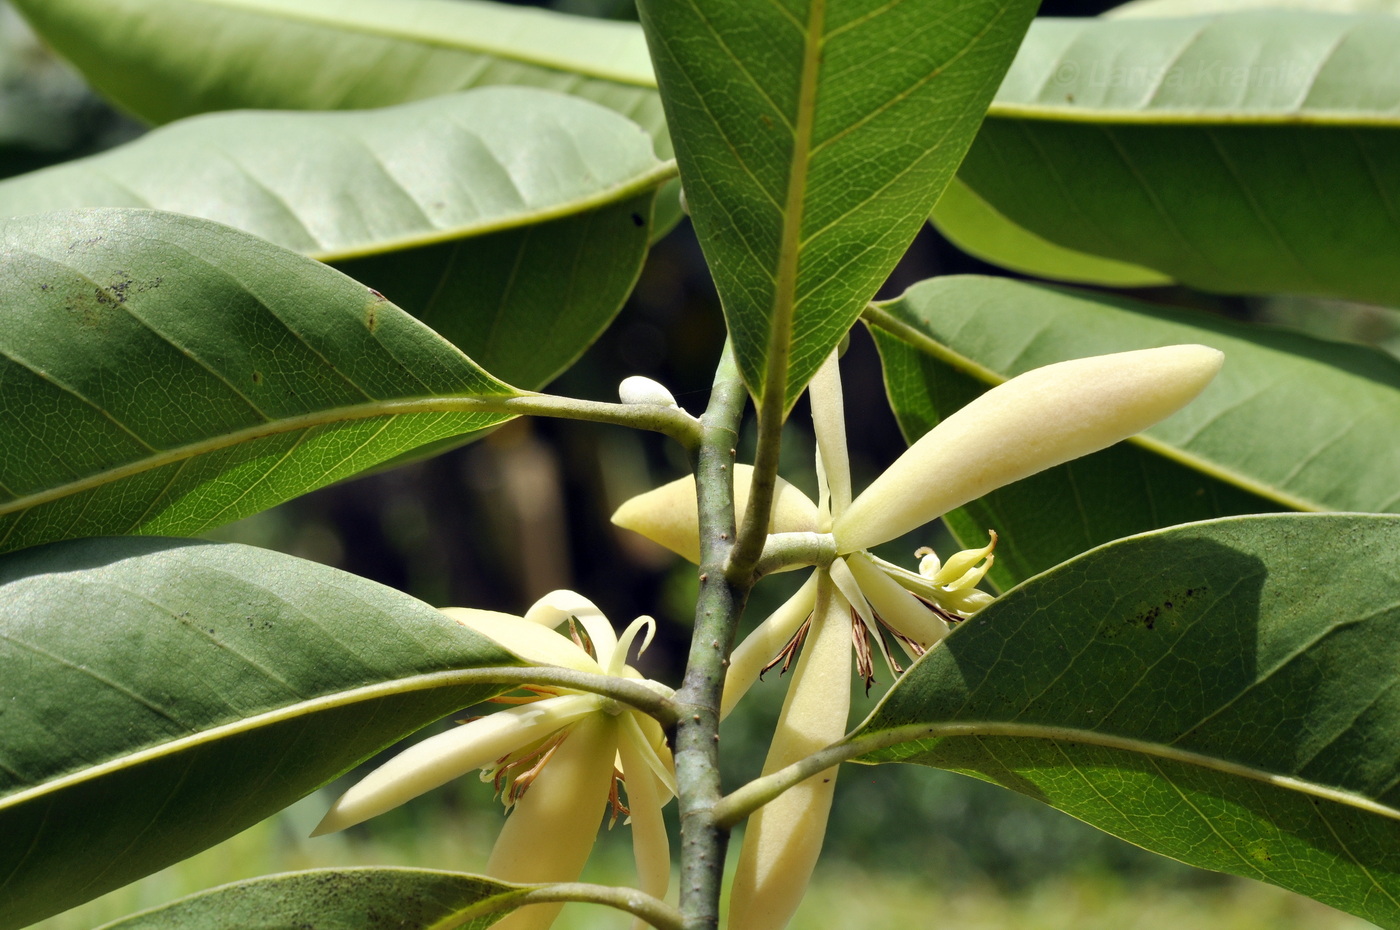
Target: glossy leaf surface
[
  {"x": 1290, "y": 422},
  {"x": 334, "y": 899},
  {"x": 1240, "y": 153},
  {"x": 1221, "y": 693},
  {"x": 341, "y": 185},
  {"x": 161, "y": 695},
  {"x": 210, "y": 373},
  {"x": 165, "y": 59},
  {"x": 814, "y": 137},
  {"x": 973, "y": 225},
  {"x": 553, "y": 193}
]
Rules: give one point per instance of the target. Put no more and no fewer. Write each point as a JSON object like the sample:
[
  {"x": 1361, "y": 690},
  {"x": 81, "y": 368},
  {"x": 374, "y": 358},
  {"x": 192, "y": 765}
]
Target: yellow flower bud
[
  {"x": 1033, "y": 422},
  {"x": 667, "y": 515},
  {"x": 784, "y": 837}
]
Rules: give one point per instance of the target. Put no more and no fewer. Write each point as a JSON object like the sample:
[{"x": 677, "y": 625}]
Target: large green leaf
[
  {"x": 524, "y": 303},
  {"x": 555, "y": 192},
  {"x": 973, "y": 225},
  {"x": 161, "y": 695},
  {"x": 1292, "y": 421},
  {"x": 814, "y": 137},
  {"x": 165, "y": 59},
  {"x": 1222, "y": 693},
  {"x": 348, "y": 184},
  {"x": 1162, "y": 8},
  {"x": 164, "y": 374},
  {"x": 335, "y": 899},
  {"x": 1240, "y": 153}
]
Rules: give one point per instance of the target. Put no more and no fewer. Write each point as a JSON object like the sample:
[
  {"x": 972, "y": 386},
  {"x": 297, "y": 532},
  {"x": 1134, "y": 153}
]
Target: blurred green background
[{"x": 500, "y": 522}]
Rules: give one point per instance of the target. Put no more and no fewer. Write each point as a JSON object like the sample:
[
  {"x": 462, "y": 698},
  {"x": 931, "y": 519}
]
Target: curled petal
[
  {"x": 532, "y": 642},
  {"x": 667, "y": 514},
  {"x": 438, "y": 760},
  {"x": 557, "y": 606},
  {"x": 618, "y": 661},
  {"x": 784, "y": 837},
  {"x": 1032, "y": 422},
  {"x": 650, "y": 846},
  {"x": 765, "y": 642},
  {"x": 896, "y": 606},
  {"x": 549, "y": 834}
]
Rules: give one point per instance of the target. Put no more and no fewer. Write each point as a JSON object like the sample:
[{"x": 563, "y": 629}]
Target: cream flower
[
  {"x": 555, "y": 757},
  {"x": 1033, "y": 422}
]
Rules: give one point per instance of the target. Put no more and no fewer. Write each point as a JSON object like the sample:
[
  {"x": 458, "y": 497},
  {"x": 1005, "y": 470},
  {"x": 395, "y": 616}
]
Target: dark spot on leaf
[
  {"x": 637, "y": 220},
  {"x": 257, "y": 377},
  {"x": 372, "y": 317}
]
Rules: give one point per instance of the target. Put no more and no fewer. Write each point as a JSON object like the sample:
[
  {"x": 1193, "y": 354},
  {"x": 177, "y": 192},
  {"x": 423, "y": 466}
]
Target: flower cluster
[
  {"x": 555, "y": 757},
  {"x": 1035, "y": 421}
]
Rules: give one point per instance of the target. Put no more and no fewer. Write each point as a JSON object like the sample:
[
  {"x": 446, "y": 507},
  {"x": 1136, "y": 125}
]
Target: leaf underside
[
  {"x": 211, "y": 374},
  {"x": 1221, "y": 693},
  {"x": 1240, "y": 153},
  {"x": 1291, "y": 422},
  {"x": 814, "y": 138},
  {"x": 335, "y": 899},
  {"x": 162, "y": 695}
]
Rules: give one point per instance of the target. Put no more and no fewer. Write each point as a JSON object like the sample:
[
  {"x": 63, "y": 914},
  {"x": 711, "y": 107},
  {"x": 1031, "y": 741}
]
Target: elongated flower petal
[
  {"x": 1032, "y": 422},
  {"x": 667, "y": 514},
  {"x": 829, "y": 425},
  {"x": 557, "y": 606},
  {"x": 532, "y": 642},
  {"x": 650, "y": 846},
  {"x": 760, "y": 646},
  {"x": 549, "y": 834},
  {"x": 441, "y": 758},
  {"x": 784, "y": 837}
]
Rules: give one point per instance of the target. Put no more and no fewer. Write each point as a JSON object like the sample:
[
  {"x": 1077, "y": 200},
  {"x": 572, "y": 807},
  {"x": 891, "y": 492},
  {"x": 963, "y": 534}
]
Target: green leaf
[
  {"x": 336, "y": 899},
  {"x": 973, "y": 225},
  {"x": 165, "y": 59},
  {"x": 524, "y": 303},
  {"x": 345, "y": 185},
  {"x": 814, "y": 138},
  {"x": 164, "y": 374},
  {"x": 1221, "y": 693},
  {"x": 1162, "y": 8},
  {"x": 555, "y": 192},
  {"x": 1292, "y": 422},
  {"x": 161, "y": 695},
  {"x": 1240, "y": 153}
]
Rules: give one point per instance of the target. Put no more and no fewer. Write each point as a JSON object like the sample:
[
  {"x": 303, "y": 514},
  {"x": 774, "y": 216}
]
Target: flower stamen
[{"x": 789, "y": 652}]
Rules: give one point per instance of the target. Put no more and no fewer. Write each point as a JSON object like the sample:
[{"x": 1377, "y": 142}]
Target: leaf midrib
[
  {"x": 250, "y": 434},
  {"x": 561, "y": 64},
  {"x": 775, "y": 381},
  {"x": 1054, "y": 113},
  {"x": 424, "y": 682},
  {"x": 652, "y": 179},
  {"x": 871, "y": 741}
]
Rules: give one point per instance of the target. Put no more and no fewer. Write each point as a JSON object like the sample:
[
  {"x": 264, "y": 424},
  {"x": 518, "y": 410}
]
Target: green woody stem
[{"x": 717, "y": 611}]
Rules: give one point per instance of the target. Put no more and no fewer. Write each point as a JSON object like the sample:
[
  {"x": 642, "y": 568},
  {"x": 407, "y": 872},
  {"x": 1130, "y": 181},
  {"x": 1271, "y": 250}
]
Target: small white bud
[{"x": 639, "y": 390}]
